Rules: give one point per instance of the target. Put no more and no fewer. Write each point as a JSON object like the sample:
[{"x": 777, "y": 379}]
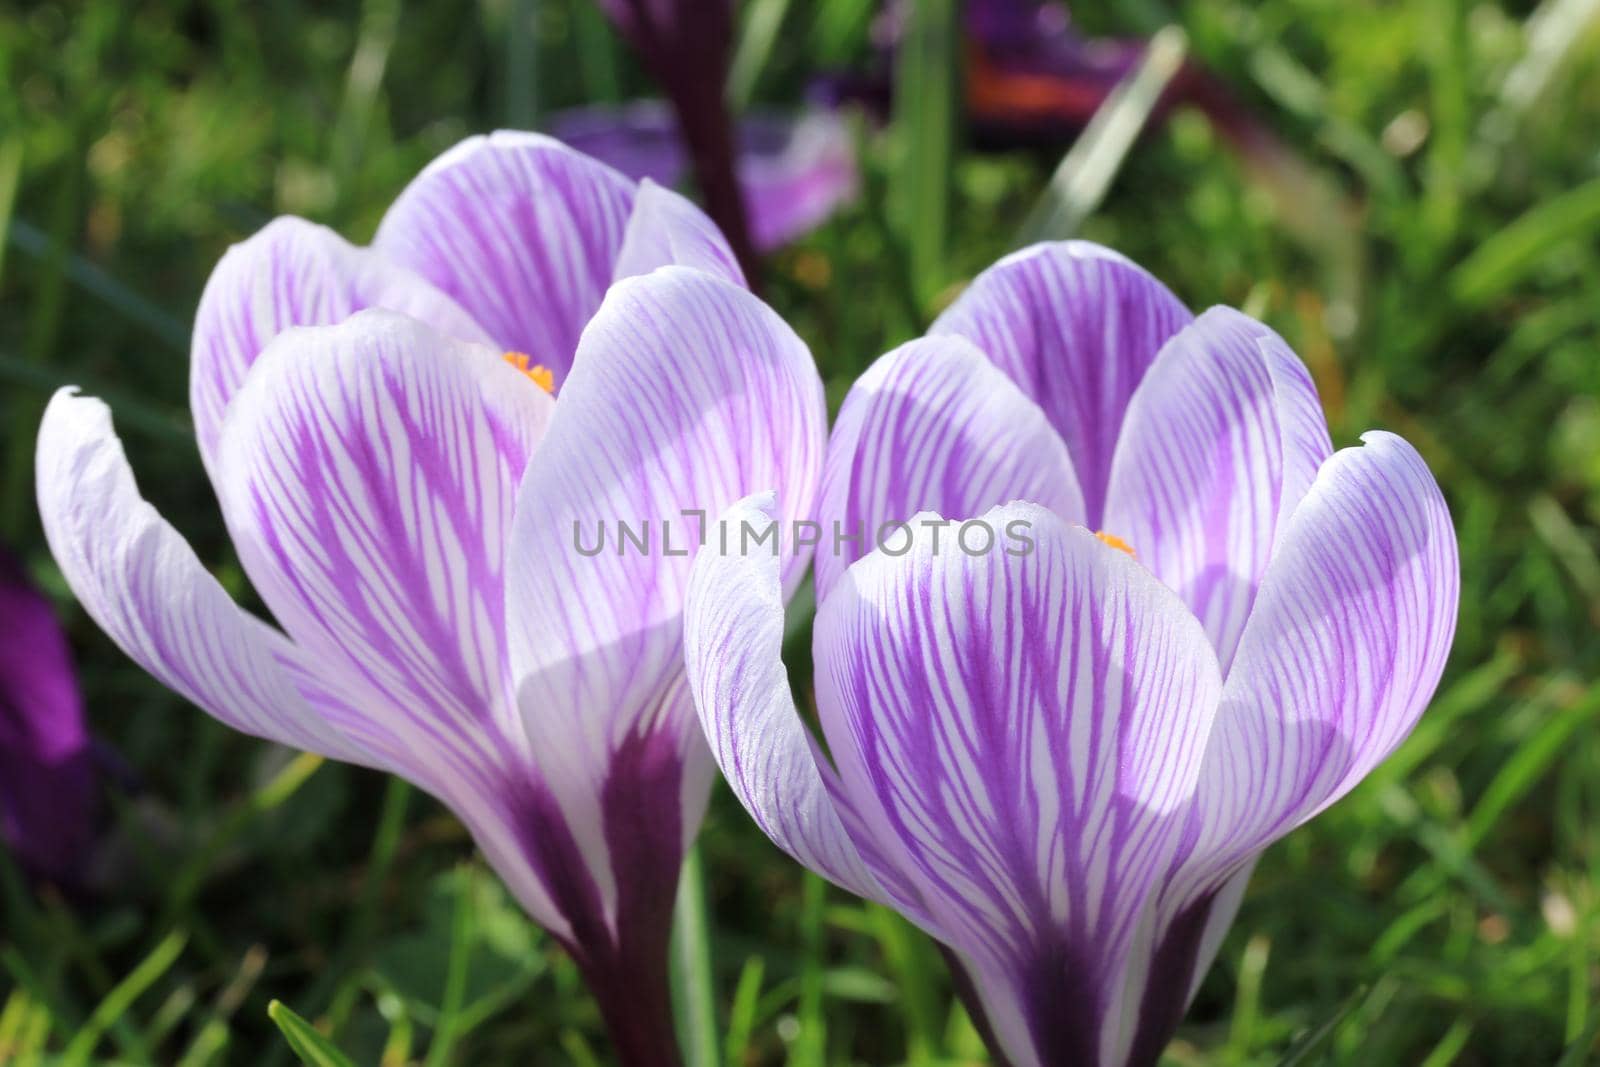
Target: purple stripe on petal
[
  {"x": 141, "y": 582},
  {"x": 933, "y": 426},
  {"x": 368, "y": 474},
  {"x": 294, "y": 273},
  {"x": 1025, "y": 731},
  {"x": 1221, "y": 440},
  {"x": 1341, "y": 654},
  {"x": 522, "y": 231},
  {"x": 733, "y": 638},
  {"x": 1075, "y": 325},
  {"x": 689, "y": 394}
]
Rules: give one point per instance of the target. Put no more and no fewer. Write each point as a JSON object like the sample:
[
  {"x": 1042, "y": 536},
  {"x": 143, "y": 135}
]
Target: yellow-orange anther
[
  {"x": 538, "y": 373},
  {"x": 1115, "y": 542}
]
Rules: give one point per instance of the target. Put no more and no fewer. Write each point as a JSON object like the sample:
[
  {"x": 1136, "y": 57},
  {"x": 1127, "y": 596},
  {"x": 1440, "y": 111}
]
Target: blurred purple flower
[
  {"x": 47, "y": 775},
  {"x": 405, "y": 487},
  {"x": 687, "y": 46},
  {"x": 1058, "y": 758},
  {"x": 793, "y": 173}
]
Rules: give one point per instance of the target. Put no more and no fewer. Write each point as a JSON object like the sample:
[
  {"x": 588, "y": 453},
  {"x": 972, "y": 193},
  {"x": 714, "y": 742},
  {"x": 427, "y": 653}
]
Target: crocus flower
[
  {"x": 47, "y": 775},
  {"x": 687, "y": 47},
  {"x": 1060, "y": 753},
  {"x": 793, "y": 172},
  {"x": 405, "y": 494}
]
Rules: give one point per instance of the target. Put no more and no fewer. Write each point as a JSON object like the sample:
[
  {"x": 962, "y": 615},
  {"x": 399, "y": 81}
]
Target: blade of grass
[
  {"x": 122, "y": 995},
  {"x": 1085, "y": 173},
  {"x": 446, "y": 1029},
  {"x": 92, "y": 279},
  {"x": 762, "y": 19},
  {"x": 810, "y": 1048},
  {"x": 307, "y": 1041},
  {"x": 743, "y": 1011},
  {"x": 694, "y": 997},
  {"x": 1507, "y": 256},
  {"x": 924, "y": 125}
]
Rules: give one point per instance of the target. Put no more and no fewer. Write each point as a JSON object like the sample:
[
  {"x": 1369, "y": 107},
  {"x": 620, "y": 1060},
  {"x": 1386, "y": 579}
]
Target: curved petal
[
  {"x": 1074, "y": 325},
  {"x": 1221, "y": 440},
  {"x": 733, "y": 642},
  {"x": 293, "y": 273},
  {"x": 521, "y": 230},
  {"x": 1343, "y": 651},
  {"x": 138, "y": 578},
  {"x": 795, "y": 174},
  {"x": 933, "y": 426},
  {"x": 368, "y": 472},
  {"x": 664, "y": 229},
  {"x": 688, "y": 395},
  {"x": 1030, "y": 723}
]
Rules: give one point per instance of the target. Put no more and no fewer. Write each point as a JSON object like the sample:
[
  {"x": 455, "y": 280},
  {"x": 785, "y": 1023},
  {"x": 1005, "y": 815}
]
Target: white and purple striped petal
[
  {"x": 1341, "y": 654},
  {"x": 522, "y": 231},
  {"x": 1024, "y": 730},
  {"x": 688, "y": 395},
  {"x": 368, "y": 472},
  {"x": 1075, "y": 325},
  {"x": 733, "y": 640},
  {"x": 1221, "y": 440},
  {"x": 934, "y": 426},
  {"x": 138, "y": 578},
  {"x": 294, "y": 273}
]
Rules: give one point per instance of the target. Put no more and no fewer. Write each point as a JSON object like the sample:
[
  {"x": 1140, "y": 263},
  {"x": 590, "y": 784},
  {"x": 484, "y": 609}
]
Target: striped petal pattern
[
  {"x": 368, "y": 473},
  {"x": 1075, "y": 325},
  {"x": 1221, "y": 441},
  {"x": 933, "y": 426},
  {"x": 688, "y": 395},
  {"x": 733, "y": 640},
  {"x": 294, "y": 273},
  {"x": 1026, "y": 731},
  {"x": 1343, "y": 651},
  {"x": 140, "y": 581},
  {"x": 522, "y": 231}
]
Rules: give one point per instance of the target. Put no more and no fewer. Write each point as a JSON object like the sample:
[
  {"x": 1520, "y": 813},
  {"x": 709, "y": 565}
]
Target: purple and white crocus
[
  {"x": 1058, "y": 757},
  {"x": 404, "y": 440}
]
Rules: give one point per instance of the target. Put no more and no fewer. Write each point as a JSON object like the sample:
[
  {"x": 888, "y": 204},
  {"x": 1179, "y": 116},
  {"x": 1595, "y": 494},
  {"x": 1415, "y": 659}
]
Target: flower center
[
  {"x": 537, "y": 373},
  {"x": 1115, "y": 542}
]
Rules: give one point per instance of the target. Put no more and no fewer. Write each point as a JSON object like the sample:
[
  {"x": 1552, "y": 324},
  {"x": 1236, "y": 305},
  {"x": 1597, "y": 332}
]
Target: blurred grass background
[{"x": 1435, "y": 258}]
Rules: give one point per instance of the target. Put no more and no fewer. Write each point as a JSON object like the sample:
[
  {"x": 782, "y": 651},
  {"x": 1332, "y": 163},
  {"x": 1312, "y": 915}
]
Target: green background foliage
[{"x": 1432, "y": 249}]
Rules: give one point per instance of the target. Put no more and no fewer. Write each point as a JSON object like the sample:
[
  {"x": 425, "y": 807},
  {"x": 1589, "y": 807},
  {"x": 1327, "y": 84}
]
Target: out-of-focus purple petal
[
  {"x": 1028, "y": 731},
  {"x": 665, "y": 229},
  {"x": 294, "y": 273},
  {"x": 688, "y": 394},
  {"x": 794, "y": 173},
  {"x": 1221, "y": 440},
  {"x": 1075, "y": 325},
  {"x": 520, "y": 230},
  {"x": 793, "y": 189},
  {"x": 138, "y": 578},
  {"x": 733, "y": 640},
  {"x": 1341, "y": 654},
  {"x": 368, "y": 473},
  {"x": 47, "y": 779},
  {"x": 934, "y": 426}
]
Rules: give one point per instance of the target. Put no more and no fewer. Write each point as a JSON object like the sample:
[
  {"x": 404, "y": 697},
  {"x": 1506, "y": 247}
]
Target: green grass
[{"x": 1435, "y": 257}]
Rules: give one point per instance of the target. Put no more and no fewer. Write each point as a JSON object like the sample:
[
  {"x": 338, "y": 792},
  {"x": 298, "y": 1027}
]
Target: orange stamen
[
  {"x": 538, "y": 373},
  {"x": 1115, "y": 542}
]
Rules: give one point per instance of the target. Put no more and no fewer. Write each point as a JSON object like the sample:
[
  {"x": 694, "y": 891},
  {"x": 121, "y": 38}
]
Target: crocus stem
[
  {"x": 636, "y": 1005},
  {"x": 707, "y": 128}
]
